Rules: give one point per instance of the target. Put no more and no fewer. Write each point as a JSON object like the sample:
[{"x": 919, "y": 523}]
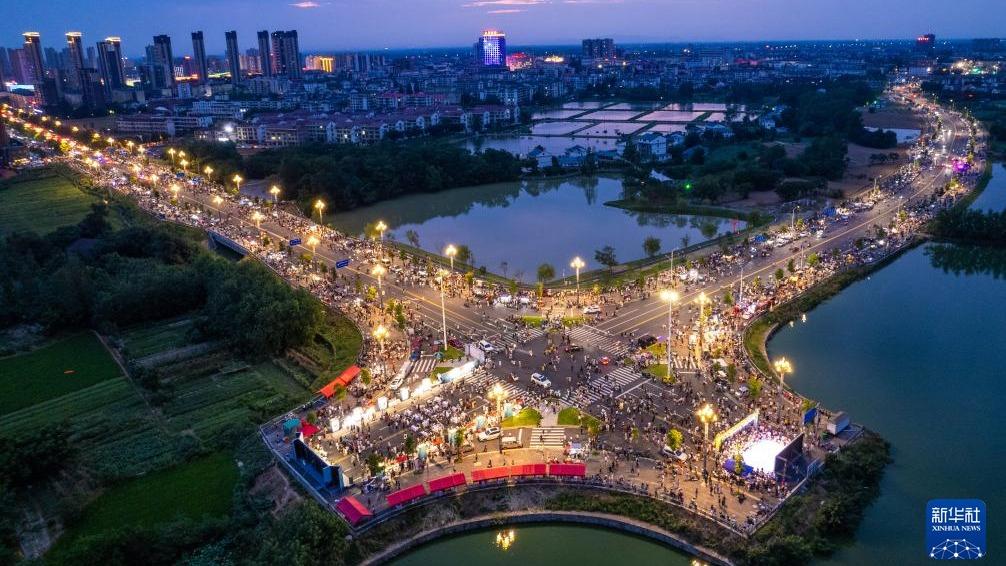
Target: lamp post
[
  {"x": 706, "y": 415},
  {"x": 274, "y": 191},
  {"x": 237, "y": 183},
  {"x": 171, "y": 152},
  {"x": 313, "y": 241},
  {"x": 443, "y": 304},
  {"x": 782, "y": 367},
  {"x": 217, "y": 201},
  {"x": 185, "y": 165},
  {"x": 577, "y": 264},
  {"x": 381, "y": 227},
  {"x": 174, "y": 191},
  {"x": 670, "y": 297},
  {"x": 319, "y": 205},
  {"x": 450, "y": 252},
  {"x": 380, "y": 333},
  {"x": 497, "y": 393},
  {"x": 209, "y": 172},
  {"x": 703, "y": 300},
  {"x": 379, "y": 272},
  {"x": 257, "y": 217}
]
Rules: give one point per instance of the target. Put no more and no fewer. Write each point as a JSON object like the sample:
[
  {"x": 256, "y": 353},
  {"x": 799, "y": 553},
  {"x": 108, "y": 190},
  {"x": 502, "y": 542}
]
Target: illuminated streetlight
[
  {"x": 703, "y": 300},
  {"x": 218, "y": 200},
  {"x": 706, "y": 415},
  {"x": 450, "y": 252},
  {"x": 274, "y": 191},
  {"x": 171, "y": 152},
  {"x": 208, "y": 171},
  {"x": 319, "y": 205},
  {"x": 174, "y": 190},
  {"x": 443, "y": 304},
  {"x": 577, "y": 264},
  {"x": 237, "y": 182},
  {"x": 379, "y": 272},
  {"x": 257, "y": 217},
  {"x": 782, "y": 367},
  {"x": 380, "y": 334},
  {"x": 498, "y": 394},
  {"x": 670, "y": 297},
  {"x": 185, "y": 165}
]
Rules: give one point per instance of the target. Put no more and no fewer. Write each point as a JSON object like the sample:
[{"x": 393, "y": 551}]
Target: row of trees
[
  {"x": 148, "y": 272},
  {"x": 978, "y": 226}
]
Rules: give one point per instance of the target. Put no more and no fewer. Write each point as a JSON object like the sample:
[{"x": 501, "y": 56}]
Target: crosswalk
[
  {"x": 616, "y": 382},
  {"x": 548, "y": 437},
  {"x": 482, "y": 378},
  {"x": 590, "y": 337},
  {"x": 423, "y": 366},
  {"x": 514, "y": 335}
]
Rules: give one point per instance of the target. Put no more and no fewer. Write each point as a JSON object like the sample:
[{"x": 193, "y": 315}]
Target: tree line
[{"x": 976, "y": 226}]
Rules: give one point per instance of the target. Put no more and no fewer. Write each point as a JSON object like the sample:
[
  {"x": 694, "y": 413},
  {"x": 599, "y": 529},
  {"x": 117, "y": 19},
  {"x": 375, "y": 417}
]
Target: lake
[
  {"x": 557, "y": 545},
  {"x": 527, "y": 223}
]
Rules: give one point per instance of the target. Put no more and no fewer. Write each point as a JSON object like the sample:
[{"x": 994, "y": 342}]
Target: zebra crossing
[
  {"x": 589, "y": 336},
  {"x": 514, "y": 335},
  {"x": 482, "y": 378},
  {"x": 548, "y": 437},
  {"x": 603, "y": 386},
  {"x": 423, "y": 366}
]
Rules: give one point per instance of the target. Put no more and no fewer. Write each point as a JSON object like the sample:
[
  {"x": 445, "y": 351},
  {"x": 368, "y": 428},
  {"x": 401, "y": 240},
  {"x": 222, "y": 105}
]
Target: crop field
[
  {"x": 199, "y": 488},
  {"x": 42, "y": 205},
  {"x": 149, "y": 339},
  {"x": 54, "y": 370}
]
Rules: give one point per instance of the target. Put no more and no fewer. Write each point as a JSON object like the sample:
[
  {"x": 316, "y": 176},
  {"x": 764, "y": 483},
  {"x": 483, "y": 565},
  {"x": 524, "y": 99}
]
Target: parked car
[
  {"x": 415, "y": 355},
  {"x": 678, "y": 454},
  {"x": 455, "y": 343},
  {"x": 491, "y": 433},
  {"x": 486, "y": 346},
  {"x": 574, "y": 348},
  {"x": 592, "y": 309},
  {"x": 646, "y": 340},
  {"x": 540, "y": 380}
]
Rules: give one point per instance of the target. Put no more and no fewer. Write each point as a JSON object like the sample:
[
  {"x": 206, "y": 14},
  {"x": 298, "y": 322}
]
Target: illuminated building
[
  {"x": 265, "y": 61},
  {"x": 925, "y": 42},
  {"x": 517, "y": 61},
  {"x": 490, "y": 50},
  {"x": 74, "y": 43},
  {"x": 161, "y": 62},
  {"x": 319, "y": 63},
  {"x": 286, "y": 54},
  {"x": 33, "y": 55},
  {"x": 598, "y": 48},
  {"x": 113, "y": 72}
]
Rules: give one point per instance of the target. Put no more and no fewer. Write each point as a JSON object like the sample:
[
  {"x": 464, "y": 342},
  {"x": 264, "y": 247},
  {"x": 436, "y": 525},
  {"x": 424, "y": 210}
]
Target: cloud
[
  {"x": 492, "y": 3},
  {"x": 306, "y": 5},
  {"x": 593, "y": 1},
  {"x": 506, "y": 11}
]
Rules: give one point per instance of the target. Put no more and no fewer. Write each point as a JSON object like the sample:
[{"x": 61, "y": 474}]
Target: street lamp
[
  {"x": 577, "y": 264},
  {"x": 782, "y": 367},
  {"x": 257, "y": 217},
  {"x": 174, "y": 190},
  {"x": 237, "y": 182},
  {"x": 185, "y": 165},
  {"x": 670, "y": 297},
  {"x": 312, "y": 241},
  {"x": 378, "y": 272},
  {"x": 320, "y": 207},
  {"x": 703, "y": 300},
  {"x": 380, "y": 333},
  {"x": 450, "y": 252},
  {"x": 209, "y": 172},
  {"x": 218, "y": 200},
  {"x": 706, "y": 415},
  {"x": 381, "y": 227},
  {"x": 274, "y": 191},
  {"x": 171, "y": 152},
  {"x": 497, "y": 393},
  {"x": 443, "y": 305}
]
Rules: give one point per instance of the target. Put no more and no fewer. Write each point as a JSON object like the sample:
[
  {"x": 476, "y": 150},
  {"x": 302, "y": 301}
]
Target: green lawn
[
  {"x": 335, "y": 348},
  {"x": 439, "y": 370},
  {"x": 452, "y": 353},
  {"x": 202, "y": 487},
  {"x": 41, "y": 374},
  {"x": 42, "y": 205},
  {"x": 532, "y": 321},
  {"x": 527, "y": 417},
  {"x": 570, "y": 416},
  {"x": 658, "y": 371}
]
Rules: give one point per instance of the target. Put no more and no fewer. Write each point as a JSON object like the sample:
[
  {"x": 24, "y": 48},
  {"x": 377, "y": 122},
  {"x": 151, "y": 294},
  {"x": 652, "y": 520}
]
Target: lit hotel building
[{"x": 490, "y": 50}]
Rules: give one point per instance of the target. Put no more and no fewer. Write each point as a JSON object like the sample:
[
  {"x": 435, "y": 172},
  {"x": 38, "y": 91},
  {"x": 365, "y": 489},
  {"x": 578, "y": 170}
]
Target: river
[{"x": 527, "y": 223}]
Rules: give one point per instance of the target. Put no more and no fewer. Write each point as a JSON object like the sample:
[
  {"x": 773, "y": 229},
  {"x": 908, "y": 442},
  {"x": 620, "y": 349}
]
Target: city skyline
[{"x": 339, "y": 25}]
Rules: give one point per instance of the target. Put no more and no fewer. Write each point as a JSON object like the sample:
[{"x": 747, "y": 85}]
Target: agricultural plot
[
  {"x": 149, "y": 339},
  {"x": 54, "y": 370},
  {"x": 42, "y": 205}
]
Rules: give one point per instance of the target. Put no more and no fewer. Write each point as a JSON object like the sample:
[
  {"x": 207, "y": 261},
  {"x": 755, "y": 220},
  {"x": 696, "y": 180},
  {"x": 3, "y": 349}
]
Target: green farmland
[{"x": 42, "y": 205}]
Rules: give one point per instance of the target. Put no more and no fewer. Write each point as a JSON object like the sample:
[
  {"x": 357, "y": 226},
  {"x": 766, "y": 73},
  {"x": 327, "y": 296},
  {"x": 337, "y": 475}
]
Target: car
[
  {"x": 491, "y": 433},
  {"x": 646, "y": 340},
  {"x": 415, "y": 355},
  {"x": 540, "y": 380},
  {"x": 397, "y": 382},
  {"x": 455, "y": 343},
  {"x": 574, "y": 348},
  {"x": 678, "y": 454},
  {"x": 605, "y": 360},
  {"x": 486, "y": 346},
  {"x": 592, "y": 309},
  {"x": 510, "y": 442}
]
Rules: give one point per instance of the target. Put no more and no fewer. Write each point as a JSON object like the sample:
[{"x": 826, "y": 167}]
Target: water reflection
[{"x": 968, "y": 260}]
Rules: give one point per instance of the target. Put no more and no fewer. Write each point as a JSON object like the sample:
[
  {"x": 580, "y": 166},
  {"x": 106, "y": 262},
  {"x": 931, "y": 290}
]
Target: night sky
[{"x": 371, "y": 24}]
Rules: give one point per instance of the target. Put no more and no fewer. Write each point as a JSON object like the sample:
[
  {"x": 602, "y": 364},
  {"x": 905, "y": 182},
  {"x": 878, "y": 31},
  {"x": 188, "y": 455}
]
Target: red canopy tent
[
  {"x": 491, "y": 473},
  {"x": 406, "y": 495},
  {"x": 344, "y": 379},
  {"x": 309, "y": 430},
  {"x": 524, "y": 470},
  {"x": 353, "y": 510},
  {"x": 447, "y": 482},
  {"x": 567, "y": 470}
]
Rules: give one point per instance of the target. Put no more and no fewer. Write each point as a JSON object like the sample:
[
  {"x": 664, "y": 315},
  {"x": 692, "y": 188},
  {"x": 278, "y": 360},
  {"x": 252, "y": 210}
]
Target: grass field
[
  {"x": 527, "y": 417},
  {"x": 202, "y": 487},
  {"x": 147, "y": 339},
  {"x": 42, "y": 205},
  {"x": 335, "y": 348},
  {"x": 38, "y": 376}
]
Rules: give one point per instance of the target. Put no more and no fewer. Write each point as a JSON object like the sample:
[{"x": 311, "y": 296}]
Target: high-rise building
[
  {"x": 286, "y": 54},
  {"x": 265, "y": 60},
  {"x": 110, "y": 64},
  {"x": 233, "y": 56},
  {"x": 33, "y": 56},
  {"x": 603, "y": 48},
  {"x": 926, "y": 43},
  {"x": 75, "y": 64},
  {"x": 490, "y": 50},
  {"x": 161, "y": 62},
  {"x": 199, "y": 54},
  {"x": 319, "y": 63}
]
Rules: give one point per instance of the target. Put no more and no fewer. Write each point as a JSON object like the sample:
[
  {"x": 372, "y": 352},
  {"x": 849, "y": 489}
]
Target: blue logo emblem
[{"x": 955, "y": 529}]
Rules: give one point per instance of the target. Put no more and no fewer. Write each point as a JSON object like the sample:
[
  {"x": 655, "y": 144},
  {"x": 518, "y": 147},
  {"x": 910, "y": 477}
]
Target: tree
[
  {"x": 780, "y": 274},
  {"x": 813, "y": 260},
  {"x": 374, "y": 463},
  {"x": 754, "y": 387},
  {"x": 412, "y": 237},
  {"x": 545, "y": 272},
  {"x": 512, "y": 286},
  {"x": 791, "y": 265},
  {"x": 728, "y": 298},
  {"x": 651, "y": 246},
  {"x": 606, "y": 257},
  {"x": 409, "y": 444},
  {"x": 674, "y": 439},
  {"x": 464, "y": 254}
]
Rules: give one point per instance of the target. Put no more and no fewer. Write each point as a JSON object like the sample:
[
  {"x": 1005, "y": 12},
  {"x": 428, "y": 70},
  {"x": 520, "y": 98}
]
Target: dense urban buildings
[
  {"x": 233, "y": 57},
  {"x": 199, "y": 55},
  {"x": 598, "y": 48}
]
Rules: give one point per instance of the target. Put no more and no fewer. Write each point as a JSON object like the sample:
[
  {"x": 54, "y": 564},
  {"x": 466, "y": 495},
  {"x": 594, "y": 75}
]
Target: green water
[
  {"x": 545, "y": 544},
  {"x": 515, "y": 227},
  {"x": 916, "y": 353}
]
